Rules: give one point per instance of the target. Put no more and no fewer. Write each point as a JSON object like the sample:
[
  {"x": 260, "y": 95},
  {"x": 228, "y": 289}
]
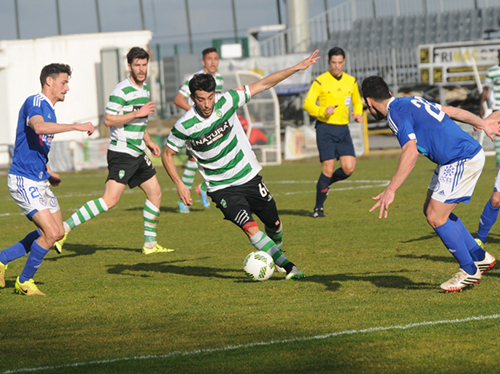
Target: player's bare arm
[
  {"x": 180, "y": 101},
  {"x": 111, "y": 120},
  {"x": 489, "y": 125},
  {"x": 407, "y": 160},
  {"x": 54, "y": 179},
  {"x": 152, "y": 146},
  {"x": 273, "y": 79},
  {"x": 41, "y": 127},
  {"x": 484, "y": 95},
  {"x": 167, "y": 158}
]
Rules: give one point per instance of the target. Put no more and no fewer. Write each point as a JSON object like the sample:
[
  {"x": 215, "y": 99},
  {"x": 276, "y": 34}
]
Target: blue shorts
[{"x": 334, "y": 141}]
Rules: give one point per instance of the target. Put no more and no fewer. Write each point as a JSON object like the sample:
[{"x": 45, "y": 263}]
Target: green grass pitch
[{"x": 370, "y": 302}]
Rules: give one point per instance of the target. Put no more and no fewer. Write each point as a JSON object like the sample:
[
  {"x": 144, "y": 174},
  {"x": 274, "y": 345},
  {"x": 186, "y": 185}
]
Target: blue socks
[
  {"x": 487, "y": 220},
  {"x": 19, "y": 249},
  {"x": 453, "y": 239},
  {"x": 476, "y": 252},
  {"x": 34, "y": 261}
]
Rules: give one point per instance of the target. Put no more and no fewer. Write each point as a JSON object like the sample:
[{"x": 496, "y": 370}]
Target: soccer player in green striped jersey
[
  {"x": 491, "y": 95},
  {"x": 214, "y": 136},
  {"x": 127, "y": 117},
  {"x": 210, "y": 62}
]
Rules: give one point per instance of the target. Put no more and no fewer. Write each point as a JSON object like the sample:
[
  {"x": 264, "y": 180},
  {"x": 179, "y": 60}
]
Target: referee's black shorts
[{"x": 334, "y": 141}]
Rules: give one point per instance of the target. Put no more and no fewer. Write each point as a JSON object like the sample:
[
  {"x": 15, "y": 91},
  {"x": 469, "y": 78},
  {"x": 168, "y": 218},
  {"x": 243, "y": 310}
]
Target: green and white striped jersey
[
  {"x": 493, "y": 82},
  {"x": 126, "y": 98},
  {"x": 219, "y": 144},
  {"x": 184, "y": 90}
]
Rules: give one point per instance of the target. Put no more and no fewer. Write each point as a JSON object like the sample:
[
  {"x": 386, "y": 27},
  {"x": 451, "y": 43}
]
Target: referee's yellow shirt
[{"x": 328, "y": 91}]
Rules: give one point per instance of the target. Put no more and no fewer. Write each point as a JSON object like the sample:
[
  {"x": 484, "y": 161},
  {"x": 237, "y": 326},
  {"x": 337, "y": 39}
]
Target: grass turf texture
[{"x": 107, "y": 302}]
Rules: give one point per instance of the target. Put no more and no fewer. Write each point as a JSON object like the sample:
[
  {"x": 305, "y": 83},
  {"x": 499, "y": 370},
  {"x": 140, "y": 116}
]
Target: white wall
[{"x": 22, "y": 60}]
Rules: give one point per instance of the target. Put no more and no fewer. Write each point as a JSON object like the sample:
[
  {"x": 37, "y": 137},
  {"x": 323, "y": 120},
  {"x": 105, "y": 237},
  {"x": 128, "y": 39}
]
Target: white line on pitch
[
  {"x": 257, "y": 344},
  {"x": 378, "y": 183}
]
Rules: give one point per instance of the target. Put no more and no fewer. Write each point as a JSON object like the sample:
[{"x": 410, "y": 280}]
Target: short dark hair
[
  {"x": 137, "y": 52},
  {"x": 375, "y": 88},
  {"x": 208, "y": 50},
  {"x": 53, "y": 70},
  {"x": 335, "y": 51},
  {"x": 202, "y": 82}
]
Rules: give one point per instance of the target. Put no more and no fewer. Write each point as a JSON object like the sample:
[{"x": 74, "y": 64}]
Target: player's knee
[
  {"x": 348, "y": 170},
  {"x": 495, "y": 199},
  {"x": 110, "y": 202},
  {"x": 250, "y": 228},
  {"x": 52, "y": 234},
  {"x": 275, "y": 226},
  {"x": 435, "y": 221}
]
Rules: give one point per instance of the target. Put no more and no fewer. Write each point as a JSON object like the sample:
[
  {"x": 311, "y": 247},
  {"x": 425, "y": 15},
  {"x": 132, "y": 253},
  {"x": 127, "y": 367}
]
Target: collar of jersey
[{"x": 46, "y": 99}]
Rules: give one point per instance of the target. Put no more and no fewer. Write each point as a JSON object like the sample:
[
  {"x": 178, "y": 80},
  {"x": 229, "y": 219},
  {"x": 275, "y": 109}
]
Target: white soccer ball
[{"x": 258, "y": 266}]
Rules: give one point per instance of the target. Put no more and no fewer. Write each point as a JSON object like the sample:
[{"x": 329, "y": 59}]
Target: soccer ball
[{"x": 258, "y": 266}]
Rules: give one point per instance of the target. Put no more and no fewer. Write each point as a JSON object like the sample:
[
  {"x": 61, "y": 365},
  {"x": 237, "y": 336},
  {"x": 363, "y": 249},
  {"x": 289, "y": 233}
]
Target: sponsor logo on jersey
[
  {"x": 135, "y": 108},
  {"x": 241, "y": 88},
  {"x": 45, "y": 139},
  {"x": 206, "y": 140}
]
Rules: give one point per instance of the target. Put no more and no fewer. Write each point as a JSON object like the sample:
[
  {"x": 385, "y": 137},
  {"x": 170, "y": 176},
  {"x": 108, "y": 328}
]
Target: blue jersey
[
  {"x": 438, "y": 137},
  {"x": 31, "y": 150}
]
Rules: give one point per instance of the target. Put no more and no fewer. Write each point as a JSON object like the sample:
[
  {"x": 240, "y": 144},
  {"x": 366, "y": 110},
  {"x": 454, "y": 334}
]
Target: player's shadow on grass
[
  {"x": 422, "y": 238},
  {"x": 170, "y": 209},
  {"x": 429, "y": 258},
  {"x": 77, "y": 250},
  {"x": 334, "y": 282},
  {"x": 298, "y": 212},
  {"x": 168, "y": 267}
]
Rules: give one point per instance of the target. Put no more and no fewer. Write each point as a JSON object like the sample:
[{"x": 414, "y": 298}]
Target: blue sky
[{"x": 210, "y": 19}]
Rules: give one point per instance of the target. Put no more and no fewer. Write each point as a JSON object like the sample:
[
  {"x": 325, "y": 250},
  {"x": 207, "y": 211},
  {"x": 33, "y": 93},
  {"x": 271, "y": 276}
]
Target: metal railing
[{"x": 343, "y": 16}]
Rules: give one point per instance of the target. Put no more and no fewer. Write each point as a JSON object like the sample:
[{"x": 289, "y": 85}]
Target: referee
[{"x": 329, "y": 100}]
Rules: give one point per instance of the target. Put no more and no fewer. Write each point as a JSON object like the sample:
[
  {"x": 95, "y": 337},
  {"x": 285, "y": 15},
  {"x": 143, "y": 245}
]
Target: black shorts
[
  {"x": 334, "y": 141},
  {"x": 237, "y": 203},
  {"x": 126, "y": 169}
]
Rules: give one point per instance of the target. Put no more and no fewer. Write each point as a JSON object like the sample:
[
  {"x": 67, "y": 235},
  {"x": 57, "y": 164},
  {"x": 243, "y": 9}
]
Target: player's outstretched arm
[
  {"x": 167, "y": 158},
  {"x": 41, "y": 127},
  {"x": 488, "y": 125},
  {"x": 407, "y": 160},
  {"x": 273, "y": 79}
]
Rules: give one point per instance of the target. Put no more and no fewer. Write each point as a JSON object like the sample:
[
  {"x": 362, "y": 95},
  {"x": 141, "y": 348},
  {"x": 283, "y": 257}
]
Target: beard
[
  {"x": 134, "y": 77},
  {"x": 376, "y": 114}
]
